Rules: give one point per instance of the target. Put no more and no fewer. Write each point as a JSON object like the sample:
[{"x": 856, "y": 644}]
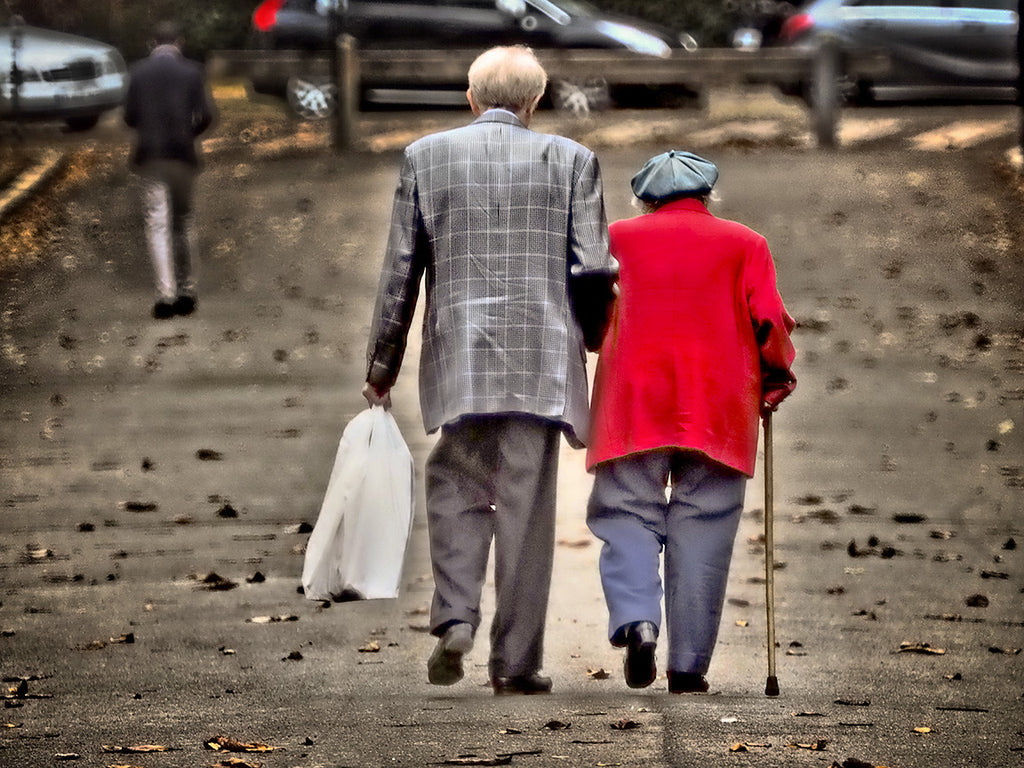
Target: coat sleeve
[
  {"x": 203, "y": 111},
  {"x": 772, "y": 328},
  {"x": 405, "y": 259},
  {"x": 592, "y": 270}
]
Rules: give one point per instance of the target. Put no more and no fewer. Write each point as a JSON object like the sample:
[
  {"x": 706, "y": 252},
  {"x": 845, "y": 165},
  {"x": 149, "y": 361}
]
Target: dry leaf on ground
[
  {"x": 227, "y": 744},
  {"x": 138, "y": 749},
  {"x": 815, "y": 746},
  {"x": 920, "y": 648}
]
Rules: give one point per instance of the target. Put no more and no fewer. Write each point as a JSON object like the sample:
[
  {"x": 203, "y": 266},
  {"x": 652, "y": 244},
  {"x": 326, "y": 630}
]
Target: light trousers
[
  {"x": 682, "y": 504},
  {"x": 493, "y": 478},
  {"x": 167, "y": 195}
]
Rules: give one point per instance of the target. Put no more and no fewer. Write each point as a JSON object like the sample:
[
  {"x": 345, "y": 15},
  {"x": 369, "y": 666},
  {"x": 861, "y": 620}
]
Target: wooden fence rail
[{"x": 374, "y": 68}]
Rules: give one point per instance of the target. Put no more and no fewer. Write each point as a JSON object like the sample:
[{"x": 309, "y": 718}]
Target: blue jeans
[{"x": 686, "y": 505}]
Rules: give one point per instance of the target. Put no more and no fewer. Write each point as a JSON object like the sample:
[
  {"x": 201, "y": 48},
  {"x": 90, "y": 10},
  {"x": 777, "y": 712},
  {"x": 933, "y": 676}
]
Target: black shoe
[
  {"x": 639, "y": 667},
  {"x": 445, "y": 664},
  {"x": 184, "y": 305},
  {"x": 686, "y": 682},
  {"x": 524, "y": 685},
  {"x": 163, "y": 310}
]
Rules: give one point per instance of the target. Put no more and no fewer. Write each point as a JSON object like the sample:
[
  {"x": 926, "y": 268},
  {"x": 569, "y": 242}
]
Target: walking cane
[{"x": 771, "y": 687}]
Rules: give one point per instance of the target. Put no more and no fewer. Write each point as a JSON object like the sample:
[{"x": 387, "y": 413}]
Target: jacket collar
[
  {"x": 498, "y": 115},
  {"x": 167, "y": 49},
  {"x": 685, "y": 204}
]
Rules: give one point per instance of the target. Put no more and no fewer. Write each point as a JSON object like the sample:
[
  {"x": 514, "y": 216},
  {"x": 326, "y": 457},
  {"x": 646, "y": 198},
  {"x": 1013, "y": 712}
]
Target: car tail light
[
  {"x": 796, "y": 26},
  {"x": 265, "y": 16}
]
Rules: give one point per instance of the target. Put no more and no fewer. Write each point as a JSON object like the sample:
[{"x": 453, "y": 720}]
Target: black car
[
  {"x": 939, "y": 49},
  {"x": 311, "y": 25}
]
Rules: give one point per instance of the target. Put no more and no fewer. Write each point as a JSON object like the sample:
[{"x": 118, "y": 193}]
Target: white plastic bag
[{"x": 359, "y": 540}]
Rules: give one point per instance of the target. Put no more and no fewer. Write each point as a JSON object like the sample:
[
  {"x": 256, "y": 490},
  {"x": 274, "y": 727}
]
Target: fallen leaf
[
  {"x": 924, "y": 648},
  {"x": 227, "y": 744},
  {"x": 371, "y": 647},
  {"x": 977, "y": 601},
  {"x": 852, "y": 762},
  {"x": 509, "y": 731},
  {"x": 853, "y": 702},
  {"x": 474, "y": 760},
  {"x": 625, "y": 724},
  {"x": 598, "y": 674},
  {"x": 126, "y": 639},
  {"x": 923, "y": 729},
  {"x": 67, "y": 756},
  {"x": 994, "y": 575},
  {"x": 961, "y": 709},
  {"x": 237, "y": 762},
  {"x": 293, "y": 656},
  {"x": 271, "y": 619},
  {"x": 746, "y": 746},
  {"x": 208, "y": 454},
  {"x": 138, "y": 749},
  {"x": 808, "y": 714},
  {"x": 555, "y": 725},
  {"x": 908, "y": 518},
  {"x": 742, "y": 623},
  {"x": 1005, "y": 651},
  {"x": 214, "y": 581},
  {"x": 815, "y": 746}
]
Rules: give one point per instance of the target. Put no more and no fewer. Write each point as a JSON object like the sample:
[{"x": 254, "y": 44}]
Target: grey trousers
[
  {"x": 695, "y": 526},
  {"x": 168, "y": 191},
  {"x": 493, "y": 477}
]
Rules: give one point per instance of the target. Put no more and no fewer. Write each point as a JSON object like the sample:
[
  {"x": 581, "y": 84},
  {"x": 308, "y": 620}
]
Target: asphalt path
[{"x": 140, "y": 459}]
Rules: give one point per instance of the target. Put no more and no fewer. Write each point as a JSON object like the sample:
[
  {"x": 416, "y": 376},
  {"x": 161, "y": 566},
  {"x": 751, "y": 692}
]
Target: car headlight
[
  {"x": 112, "y": 63},
  {"x": 635, "y": 39}
]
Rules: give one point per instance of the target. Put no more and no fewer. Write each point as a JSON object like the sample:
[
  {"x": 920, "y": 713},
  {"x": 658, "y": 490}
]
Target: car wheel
[
  {"x": 82, "y": 122},
  {"x": 580, "y": 98},
  {"x": 312, "y": 98}
]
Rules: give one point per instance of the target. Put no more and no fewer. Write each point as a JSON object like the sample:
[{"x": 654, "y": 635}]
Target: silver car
[
  {"x": 47, "y": 75},
  {"x": 937, "y": 48}
]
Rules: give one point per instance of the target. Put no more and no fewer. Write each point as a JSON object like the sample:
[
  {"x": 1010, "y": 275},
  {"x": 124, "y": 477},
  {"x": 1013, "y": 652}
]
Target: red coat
[{"x": 699, "y": 337}]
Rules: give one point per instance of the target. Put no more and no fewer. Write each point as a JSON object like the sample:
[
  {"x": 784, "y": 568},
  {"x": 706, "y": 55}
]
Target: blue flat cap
[{"x": 674, "y": 174}]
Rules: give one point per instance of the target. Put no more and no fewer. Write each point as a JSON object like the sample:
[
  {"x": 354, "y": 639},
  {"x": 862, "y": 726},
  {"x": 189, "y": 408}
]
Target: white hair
[{"x": 508, "y": 77}]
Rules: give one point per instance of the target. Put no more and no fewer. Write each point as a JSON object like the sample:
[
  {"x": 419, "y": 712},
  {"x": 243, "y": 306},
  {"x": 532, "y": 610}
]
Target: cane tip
[{"x": 771, "y": 687}]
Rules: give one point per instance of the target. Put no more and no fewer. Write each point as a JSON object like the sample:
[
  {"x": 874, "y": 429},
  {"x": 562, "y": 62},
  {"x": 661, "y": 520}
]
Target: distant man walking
[
  {"x": 168, "y": 106},
  {"x": 508, "y": 227}
]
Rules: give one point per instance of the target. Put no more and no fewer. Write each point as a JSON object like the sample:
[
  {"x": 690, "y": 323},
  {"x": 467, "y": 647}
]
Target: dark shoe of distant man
[
  {"x": 164, "y": 310},
  {"x": 444, "y": 667},
  {"x": 686, "y": 682},
  {"x": 523, "y": 685},
  {"x": 185, "y": 305},
  {"x": 639, "y": 666}
]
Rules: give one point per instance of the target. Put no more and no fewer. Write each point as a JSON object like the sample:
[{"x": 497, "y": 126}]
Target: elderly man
[{"x": 508, "y": 227}]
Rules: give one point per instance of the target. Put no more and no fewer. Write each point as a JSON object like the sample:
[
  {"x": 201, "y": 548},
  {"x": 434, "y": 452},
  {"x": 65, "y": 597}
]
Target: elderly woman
[{"x": 698, "y": 347}]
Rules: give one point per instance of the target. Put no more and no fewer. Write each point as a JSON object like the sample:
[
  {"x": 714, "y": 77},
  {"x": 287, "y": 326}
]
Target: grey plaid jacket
[{"x": 508, "y": 227}]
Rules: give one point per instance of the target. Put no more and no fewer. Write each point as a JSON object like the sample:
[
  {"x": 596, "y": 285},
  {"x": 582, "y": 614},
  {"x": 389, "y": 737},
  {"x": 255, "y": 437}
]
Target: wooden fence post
[
  {"x": 346, "y": 77},
  {"x": 825, "y": 96}
]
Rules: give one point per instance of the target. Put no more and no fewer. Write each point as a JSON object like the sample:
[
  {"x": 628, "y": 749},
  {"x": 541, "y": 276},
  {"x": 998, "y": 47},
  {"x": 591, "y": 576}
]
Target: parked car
[
  {"x": 48, "y": 75},
  {"x": 308, "y": 25},
  {"x": 939, "y": 49}
]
